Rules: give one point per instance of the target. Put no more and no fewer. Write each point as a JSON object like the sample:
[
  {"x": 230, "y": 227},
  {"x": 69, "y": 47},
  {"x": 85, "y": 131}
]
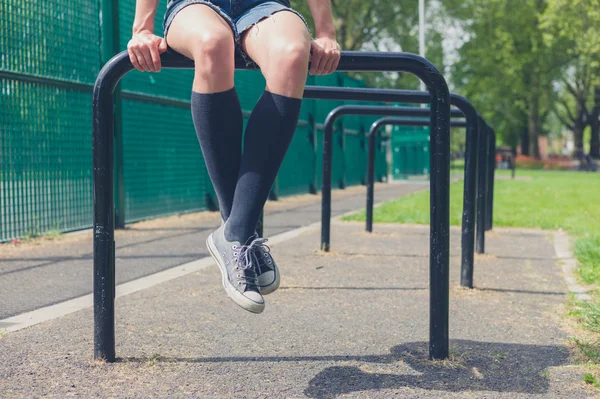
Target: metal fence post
[
  {"x": 110, "y": 47},
  {"x": 489, "y": 222},
  {"x": 471, "y": 171},
  {"x": 372, "y": 135},
  {"x": 482, "y": 177}
]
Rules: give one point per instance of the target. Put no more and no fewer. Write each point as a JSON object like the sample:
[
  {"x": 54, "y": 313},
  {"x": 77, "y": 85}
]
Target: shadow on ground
[{"x": 473, "y": 366}]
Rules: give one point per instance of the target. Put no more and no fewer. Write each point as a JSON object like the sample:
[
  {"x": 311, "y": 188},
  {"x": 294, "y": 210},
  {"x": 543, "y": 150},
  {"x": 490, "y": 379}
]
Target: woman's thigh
[
  {"x": 280, "y": 46},
  {"x": 195, "y": 23}
]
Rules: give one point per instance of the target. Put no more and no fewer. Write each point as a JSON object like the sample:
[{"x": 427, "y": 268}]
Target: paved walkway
[
  {"x": 48, "y": 272},
  {"x": 352, "y": 323}
]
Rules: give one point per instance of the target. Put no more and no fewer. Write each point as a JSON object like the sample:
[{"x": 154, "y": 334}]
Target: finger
[
  {"x": 335, "y": 61},
  {"x": 322, "y": 64},
  {"x": 315, "y": 58},
  {"x": 162, "y": 46},
  {"x": 329, "y": 65},
  {"x": 145, "y": 59},
  {"x": 155, "y": 59},
  {"x": 134, "y": 61}
]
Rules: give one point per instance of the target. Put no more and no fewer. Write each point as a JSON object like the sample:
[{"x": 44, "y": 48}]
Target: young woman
[{"x": 276, "y": 38}]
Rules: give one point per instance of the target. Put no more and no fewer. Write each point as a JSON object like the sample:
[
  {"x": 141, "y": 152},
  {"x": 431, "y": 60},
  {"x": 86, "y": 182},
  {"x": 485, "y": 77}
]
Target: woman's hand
[
  {"x": 144, "y": 51},
  {"x": 324, "y": 55}
]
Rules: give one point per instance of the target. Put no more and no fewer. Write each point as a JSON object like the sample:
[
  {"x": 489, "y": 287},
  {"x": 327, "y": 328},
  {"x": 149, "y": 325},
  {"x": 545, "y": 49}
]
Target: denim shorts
[{"x": 241, "y": 15}]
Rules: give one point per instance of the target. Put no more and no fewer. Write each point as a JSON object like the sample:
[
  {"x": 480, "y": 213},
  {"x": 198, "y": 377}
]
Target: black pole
[
  {"x": 119, "y": 65},
  {"x": 375, "y": 128},
  {"x": 489, "y": 206},
  {"x": 471, "y": 171},
  {"x": 482, "y": 161}
]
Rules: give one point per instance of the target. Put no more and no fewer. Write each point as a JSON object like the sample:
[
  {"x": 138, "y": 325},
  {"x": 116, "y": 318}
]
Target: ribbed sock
[
  {"x": 219, "y": 123},
  {"x": 269, "y": 133}
]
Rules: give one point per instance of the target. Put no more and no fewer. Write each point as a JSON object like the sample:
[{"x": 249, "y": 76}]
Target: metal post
[
  {"x": 351, "y": 61},
  {"x": 490, "y": 184},
  {"x": 371, "y": 176},
  {"x": 482, "y": 164},
  {"x": 110, "y": 47},
  {"x": 375, "y": 127},
  {"x": 471, "y": 173}
]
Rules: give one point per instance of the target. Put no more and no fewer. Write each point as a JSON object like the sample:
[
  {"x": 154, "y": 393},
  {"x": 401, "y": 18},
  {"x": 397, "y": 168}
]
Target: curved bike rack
[
  {"x": 473, "y": 144},
  {"x": 103, "y": 182}
]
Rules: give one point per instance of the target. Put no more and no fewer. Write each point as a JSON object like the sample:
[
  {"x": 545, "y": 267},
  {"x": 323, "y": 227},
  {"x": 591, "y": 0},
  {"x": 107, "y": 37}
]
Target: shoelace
[
  {"x": 246, "y": 255},
  {"x": 265, "y": 250}
]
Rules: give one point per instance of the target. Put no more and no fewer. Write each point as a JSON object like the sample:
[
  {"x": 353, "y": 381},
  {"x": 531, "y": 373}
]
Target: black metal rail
[
  {"x": 103, "y": 184},
  {"x": 471, "y": 146}
]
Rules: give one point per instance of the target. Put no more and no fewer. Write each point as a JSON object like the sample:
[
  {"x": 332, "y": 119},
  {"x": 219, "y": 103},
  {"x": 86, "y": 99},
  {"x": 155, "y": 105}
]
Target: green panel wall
[
  {"x": 164, "y": 171},
  {"x": 45, "y": 127},
  {"x": 410, "y": 152}
]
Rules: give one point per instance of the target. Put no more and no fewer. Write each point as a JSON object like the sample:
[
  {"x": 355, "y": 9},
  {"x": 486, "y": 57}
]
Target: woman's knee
[
  {"x": 213, "y": 51},
  {"x": 291, "y": 56}
]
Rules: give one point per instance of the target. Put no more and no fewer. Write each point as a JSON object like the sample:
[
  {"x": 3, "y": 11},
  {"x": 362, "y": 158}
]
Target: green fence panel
[
  {"x": 297, "y": 172},
  {"x": 45, "y": 133},
  {"x": 381, "y": 164},
  {"x": 410, "y": 152},
  {"x": 164, "y": 172},
  {"x": 356, "y": 158},
  {"x": 45, "y": 139}
]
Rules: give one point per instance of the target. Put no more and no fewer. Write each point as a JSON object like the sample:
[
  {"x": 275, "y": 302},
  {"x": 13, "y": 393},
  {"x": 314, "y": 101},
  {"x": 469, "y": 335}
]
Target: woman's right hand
[{"x": 144, "y": 50}]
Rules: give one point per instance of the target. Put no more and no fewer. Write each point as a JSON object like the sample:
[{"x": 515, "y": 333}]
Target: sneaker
[
  {"x": 237, "y": 264},
  {"x": 266, "y": 268}
]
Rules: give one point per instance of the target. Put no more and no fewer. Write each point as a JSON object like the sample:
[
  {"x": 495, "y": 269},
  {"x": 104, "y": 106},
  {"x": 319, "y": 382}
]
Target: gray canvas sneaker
[
  {"x": 238, "y": 270},
  {"x": 266, "y": 268}
]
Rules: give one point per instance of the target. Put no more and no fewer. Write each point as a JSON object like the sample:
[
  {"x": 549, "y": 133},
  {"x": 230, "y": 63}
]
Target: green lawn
[{"x": 550, "y": 200}]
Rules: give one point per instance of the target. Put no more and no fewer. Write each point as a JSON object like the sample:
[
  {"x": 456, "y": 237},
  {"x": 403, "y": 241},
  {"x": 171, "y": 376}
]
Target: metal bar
[
  {"x": 372, "y": 134},
  {"x": 489, "y": 222},
  {"x": 471, "y": 171},
  {"x": 482, "y": 163},
  {"x": 103, "y": 183}
]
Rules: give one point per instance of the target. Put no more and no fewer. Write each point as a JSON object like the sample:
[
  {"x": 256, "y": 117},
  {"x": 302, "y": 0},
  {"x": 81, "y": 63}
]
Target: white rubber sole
[{"x": 236, "y": 296}]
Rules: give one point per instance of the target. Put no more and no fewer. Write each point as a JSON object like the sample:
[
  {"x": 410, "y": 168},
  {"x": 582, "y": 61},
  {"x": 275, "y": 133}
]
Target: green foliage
[
  {"x": 382, "y": 25},
  {"x": 505, "y": 66}
]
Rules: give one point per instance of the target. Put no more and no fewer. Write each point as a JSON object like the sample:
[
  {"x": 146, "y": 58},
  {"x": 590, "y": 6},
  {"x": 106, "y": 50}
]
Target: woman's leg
[
  {"x": 280, "y": 45},
  {"x": 200, "y": 33}
]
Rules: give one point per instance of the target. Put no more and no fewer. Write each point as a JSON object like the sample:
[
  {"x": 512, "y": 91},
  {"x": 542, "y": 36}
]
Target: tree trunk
[
  {"x": 595, "y": 125},
  {"x": 525, "y": 141},
  {"x": 578, "y": 127},
  {"x": 533, "y": 125}
]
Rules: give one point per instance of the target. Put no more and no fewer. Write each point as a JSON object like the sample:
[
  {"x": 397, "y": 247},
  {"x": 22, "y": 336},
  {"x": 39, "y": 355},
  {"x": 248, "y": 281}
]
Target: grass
[{"x": 550, "y": 200}]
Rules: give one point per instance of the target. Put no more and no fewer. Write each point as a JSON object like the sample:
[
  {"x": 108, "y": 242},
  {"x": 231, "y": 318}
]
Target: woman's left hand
[{"x": 324, "y": 55}]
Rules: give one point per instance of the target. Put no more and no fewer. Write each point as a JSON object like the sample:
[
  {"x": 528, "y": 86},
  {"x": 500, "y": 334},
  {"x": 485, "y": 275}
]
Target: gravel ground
[{"x": 352, "y": 323}]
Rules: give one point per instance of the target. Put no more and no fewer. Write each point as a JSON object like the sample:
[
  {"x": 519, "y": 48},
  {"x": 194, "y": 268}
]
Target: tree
[
  {"x": 505, "y": 66},
  {"x": 577, "y": 23},
  {"x": 381, "y": 25}
]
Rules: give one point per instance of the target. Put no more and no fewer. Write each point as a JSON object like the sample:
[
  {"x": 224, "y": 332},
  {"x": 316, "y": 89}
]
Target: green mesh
[
  {"x": 410, "y": 152},
  {"x": 55, "y": 39},
  {"x": 45, "y": 159},
  {"x": 298, "y": 169},
  {"x": 356, "y": 158},
  {"x": 164, "y": 171},
  {"x": 50, "y": 57}
]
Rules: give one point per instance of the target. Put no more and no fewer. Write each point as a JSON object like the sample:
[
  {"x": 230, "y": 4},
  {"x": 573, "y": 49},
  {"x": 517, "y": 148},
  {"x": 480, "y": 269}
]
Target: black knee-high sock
[
  {"x": 269, "y": 132},
  {"x": 219, "y": 123}
]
